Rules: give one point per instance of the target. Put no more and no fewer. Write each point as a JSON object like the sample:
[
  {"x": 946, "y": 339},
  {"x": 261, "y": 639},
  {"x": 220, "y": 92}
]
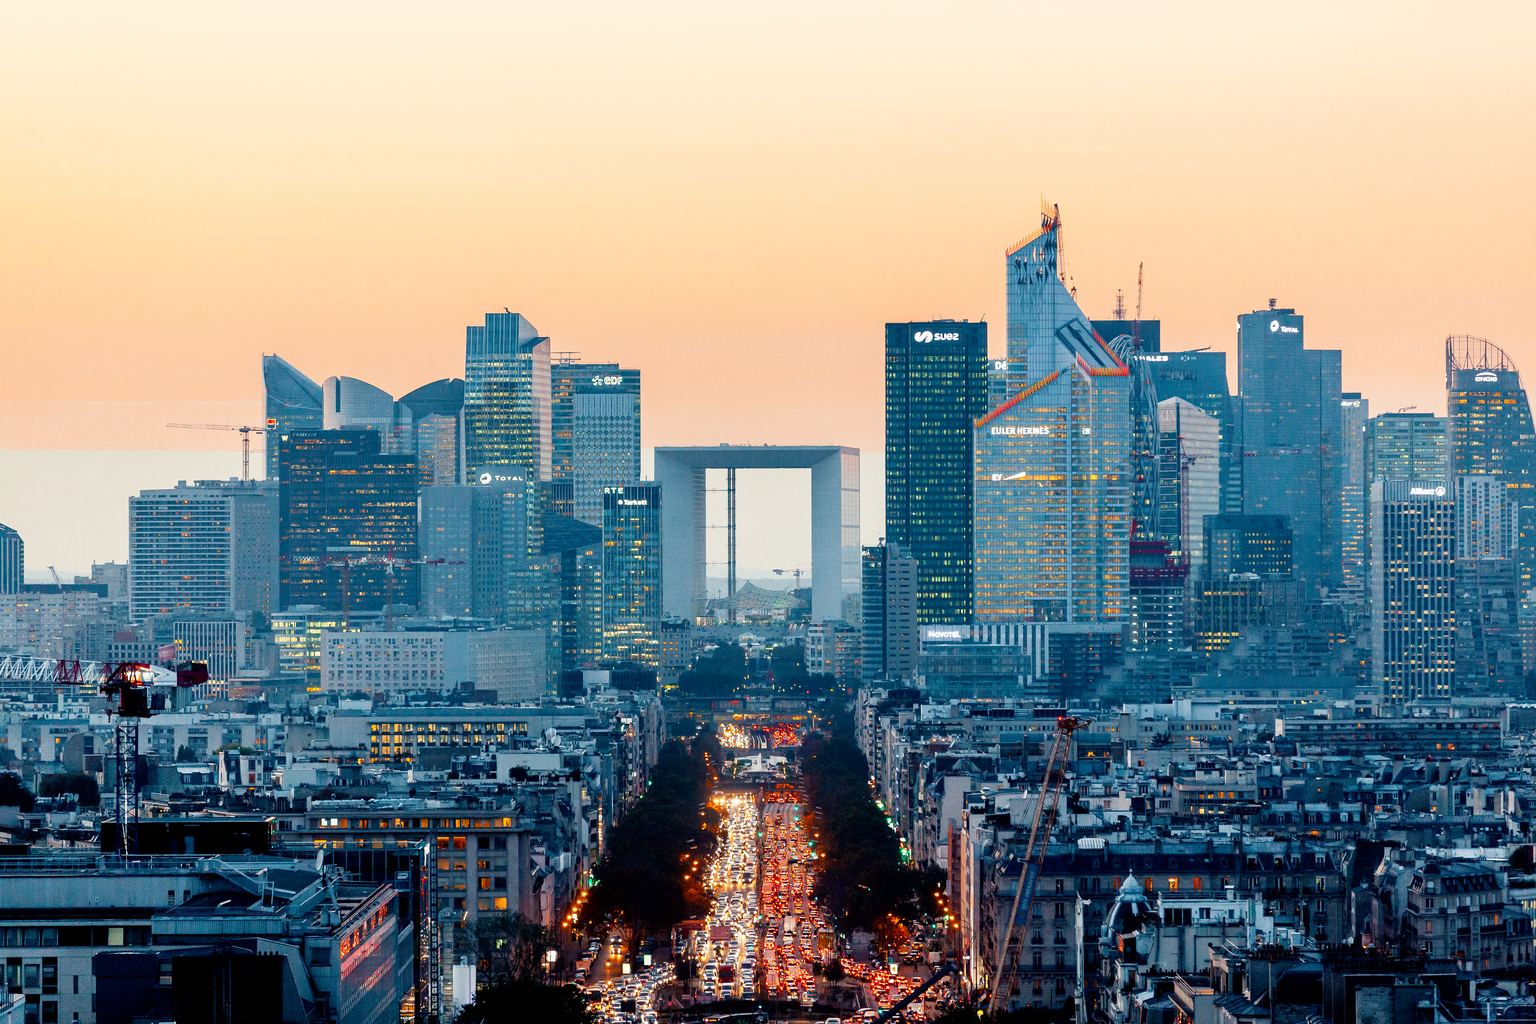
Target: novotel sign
[
  {"x": 1427, "y": 492},
  {"x": 1024, "y": 431},
  {"x": 924, "y": 337}
]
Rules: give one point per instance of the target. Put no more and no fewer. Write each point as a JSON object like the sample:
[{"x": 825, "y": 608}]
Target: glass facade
[
  {"x": 1354, "y": 547},
  {"x": 935, "y": 390},
  {"x": 348, "y": 522},
  {"x": 1052, "y": 517},
  {"x": 1260, "y": 545},
  {"x": 1490, "y": 432},
  {"x": 1190, "y": 466},
  {"x": 1292, "y": 437},
  {"x": 1405, "y": 446},
  {"x": 1489, "y": 647},
  {"x": 631, "y": 575},
  {"x": 292, "y": 403},
  {"x": 1200, "y": 378},
  {"x": 567, "y": 381},
  {"x": 1413, "y": 600},
  {"x": 507, "y": 402}
]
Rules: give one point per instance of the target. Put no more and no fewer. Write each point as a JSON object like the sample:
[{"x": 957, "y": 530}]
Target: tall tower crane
[
  {"x": 1035, "y": 849},
  {"x": 132, "y": 684},
  {"x": 245, "y": 440}
]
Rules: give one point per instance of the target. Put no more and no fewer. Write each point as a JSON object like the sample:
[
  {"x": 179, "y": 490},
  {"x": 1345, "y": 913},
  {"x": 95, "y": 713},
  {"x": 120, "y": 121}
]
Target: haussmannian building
[
  {"x": 1051, "y": 521},
  {"x": 1413, "y": 593}
]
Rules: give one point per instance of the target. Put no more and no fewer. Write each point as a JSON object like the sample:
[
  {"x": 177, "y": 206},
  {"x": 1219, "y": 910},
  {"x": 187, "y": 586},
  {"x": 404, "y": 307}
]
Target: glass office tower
[
  {"x": 347, "y": 516},
  {"x": 1354, "y": 543},
  {"x": 1292, "y": 437},
  {"x": 1052, "y": 499},
  {"x": 292, "y": 403},
  {"x": 935, "y": 389},
  {"x": 1490, "y": 431},
  {"x": 507, "y": 395},
  {"x": 1405, "y": 446},
  {"x": 631, "y": 574},
  {"x": 1200, "y": 378},
  {"x": 1413, "y": 600}
]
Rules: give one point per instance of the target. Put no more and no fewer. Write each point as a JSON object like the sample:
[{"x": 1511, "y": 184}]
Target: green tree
[
  {"x": 531, "y": 1001},
  {"x": 509, "y": 948},
  {"x": 186, "y": 755},
  {"x": 78, "y": 783},
  {"x": 716, "y": 675},
  {"x": 13, "y": 793}
]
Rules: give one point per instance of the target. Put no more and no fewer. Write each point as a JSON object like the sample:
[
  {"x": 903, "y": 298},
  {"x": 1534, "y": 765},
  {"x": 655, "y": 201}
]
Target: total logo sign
[
  {"x": 924, "y": 337},
  {"x": 1276, "y": 327},
  {"x": 488, "y": 478},
  {"x": 1427, "y": 492},
  {"x": 1487, "y": 378}
]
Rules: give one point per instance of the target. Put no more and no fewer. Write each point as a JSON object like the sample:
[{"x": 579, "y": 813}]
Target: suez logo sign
[
  {"x": 924, "y": 337},
  {"x": 1487, "y": 378},
  {"x": 1276, "y": 327},
  {"x": 1427, "y": 492}
]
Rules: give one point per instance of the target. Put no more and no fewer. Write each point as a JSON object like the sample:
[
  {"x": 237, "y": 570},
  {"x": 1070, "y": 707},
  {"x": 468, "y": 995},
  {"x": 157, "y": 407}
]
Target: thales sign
[{"x": 924, "y": 337}]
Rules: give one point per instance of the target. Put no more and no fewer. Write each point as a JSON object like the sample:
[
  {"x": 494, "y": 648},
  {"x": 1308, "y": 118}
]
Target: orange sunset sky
[{"x": 733, "y": 198}]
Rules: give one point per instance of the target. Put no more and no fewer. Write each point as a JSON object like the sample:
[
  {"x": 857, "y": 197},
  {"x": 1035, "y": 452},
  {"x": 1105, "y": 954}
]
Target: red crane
[
  {"x": 1034, "y": 850},
  {"x": 245, "y": 440},
  {"x": 132, "y": 684}
]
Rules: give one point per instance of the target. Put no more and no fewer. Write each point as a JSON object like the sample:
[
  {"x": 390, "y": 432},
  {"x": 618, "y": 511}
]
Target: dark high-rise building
[
  {"x": 935, "y": 390},
  {"x": 1404, "y": 446},
  {"x": 889, "y": 610},
  {"x": 1200, "y": 378},
  {"x": 1260, "y": 545},
  {"x": 507, "y": 396},
  {"x": 292, "y": 403},
  {"x": 1354, "y": 543},
  {"x": 1292, "y": 437},
  {"x": 12, "y": 561},
  {"x": 1490, "y": 431},
  {"x": 1413, "y": 598},
  {"x": 579, "y": 547},
  {"x": 631, "y": 574},
  {"x": 348, "y": 522}
]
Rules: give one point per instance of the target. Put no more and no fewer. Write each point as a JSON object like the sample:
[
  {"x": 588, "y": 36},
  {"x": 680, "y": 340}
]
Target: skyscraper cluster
[{"x": 1143, "y": 513}]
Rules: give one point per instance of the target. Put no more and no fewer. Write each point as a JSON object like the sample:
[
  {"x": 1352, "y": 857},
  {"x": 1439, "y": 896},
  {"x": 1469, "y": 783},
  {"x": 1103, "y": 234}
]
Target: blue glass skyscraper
[
  {"x": 1052, "y": 501},
  {"x": 1292, "y": 437}
]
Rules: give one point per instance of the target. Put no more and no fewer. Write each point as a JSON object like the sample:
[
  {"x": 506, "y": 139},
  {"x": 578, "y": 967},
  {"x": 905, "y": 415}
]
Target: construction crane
[
  {"x": 1034, "y": 852},
  {"x": 245, "y": 441},
  {"x": 389, "y": 562},
  {"x": 132, "y": 685},
  {"x": 1136, "y": 324}
]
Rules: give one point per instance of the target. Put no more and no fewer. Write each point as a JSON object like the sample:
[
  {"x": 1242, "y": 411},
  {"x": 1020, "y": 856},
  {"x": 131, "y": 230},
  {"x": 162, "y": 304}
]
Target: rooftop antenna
[
  {"x": 1271, "y": 303},
  {"x": 1119, "y": 311}
]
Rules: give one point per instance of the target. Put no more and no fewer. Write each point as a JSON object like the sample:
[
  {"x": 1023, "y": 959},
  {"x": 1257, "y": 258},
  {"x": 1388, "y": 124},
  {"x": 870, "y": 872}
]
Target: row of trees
[
  {"x": 14, "y": 792},
  {"x": 652, "y": 873},
  {"x": 862, "y": 882}
]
